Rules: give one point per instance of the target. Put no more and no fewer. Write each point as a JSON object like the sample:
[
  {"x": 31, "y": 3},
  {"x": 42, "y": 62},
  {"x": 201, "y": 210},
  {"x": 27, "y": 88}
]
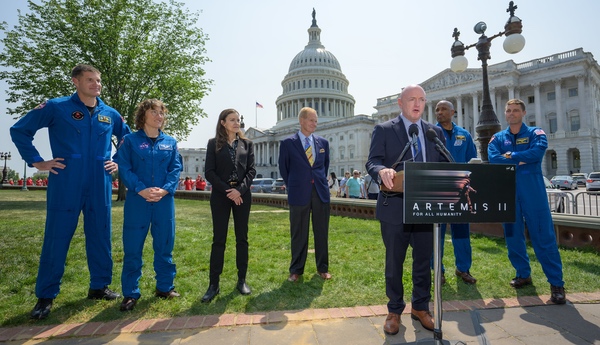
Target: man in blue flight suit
[
  {"x": 525, "y": 146},
  {"x": 80, "y": 128},
  {"x": 460, "y": 144}
]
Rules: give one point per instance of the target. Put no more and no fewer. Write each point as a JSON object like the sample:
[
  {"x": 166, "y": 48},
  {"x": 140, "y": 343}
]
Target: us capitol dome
[{"x": 315, "y": 80}]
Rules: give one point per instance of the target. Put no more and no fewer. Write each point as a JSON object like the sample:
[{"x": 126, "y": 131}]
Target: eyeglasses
[{"x": 156, "y": 113}]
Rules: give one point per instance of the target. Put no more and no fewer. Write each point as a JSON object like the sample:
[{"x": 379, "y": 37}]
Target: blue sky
[{"x": 381, "y": 46}]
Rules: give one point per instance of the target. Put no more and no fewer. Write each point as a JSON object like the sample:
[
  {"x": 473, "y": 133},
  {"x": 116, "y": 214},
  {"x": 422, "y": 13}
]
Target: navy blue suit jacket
[
  {"x": 297, "y": 172},
  {"x": 387, "y": 142}
]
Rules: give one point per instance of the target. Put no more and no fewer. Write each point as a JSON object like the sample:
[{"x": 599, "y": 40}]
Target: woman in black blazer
[{"x": 230, "y": 169}]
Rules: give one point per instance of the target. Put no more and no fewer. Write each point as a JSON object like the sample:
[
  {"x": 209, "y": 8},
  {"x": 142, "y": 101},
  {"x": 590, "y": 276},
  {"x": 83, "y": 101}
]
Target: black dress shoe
[
  {"x": 128, "y": 304},
  {"x": 171, "y": 294},
  {"x": 558, "y": 295},
  {"x": 212, "y": 291},
  {"x": 41, "y": 309},
  {"x": 243, "y": 288},
  {"x": 104, "y": 293},
  {"x": 519, "y": 282}
]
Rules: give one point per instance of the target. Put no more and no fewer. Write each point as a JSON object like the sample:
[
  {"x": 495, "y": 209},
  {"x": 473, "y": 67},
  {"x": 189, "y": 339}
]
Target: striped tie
[
  {"x": 419, "y": 154},
  {"x": 308, "y": 151}
]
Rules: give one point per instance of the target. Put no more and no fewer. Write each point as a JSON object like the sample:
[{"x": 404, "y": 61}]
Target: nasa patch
[
  {"x": 77, "y": 115},
  {"x": 144, "y": 146}
]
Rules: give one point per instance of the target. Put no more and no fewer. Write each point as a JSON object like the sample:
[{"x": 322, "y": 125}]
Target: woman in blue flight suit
[{"x": 149, "y": 165}]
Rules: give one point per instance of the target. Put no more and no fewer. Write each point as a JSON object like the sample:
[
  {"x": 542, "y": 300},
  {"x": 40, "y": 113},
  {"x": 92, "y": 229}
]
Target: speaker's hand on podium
[{"x": 387, "y": 176}]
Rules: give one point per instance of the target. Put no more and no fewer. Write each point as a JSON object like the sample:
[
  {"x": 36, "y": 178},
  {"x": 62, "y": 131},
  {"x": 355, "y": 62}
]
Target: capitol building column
[
  {"x": 560, "y": 117},
  {"x": 459, "y": 113},
  {"x": 538, "y": 106},
  {"x": 430, "y": 115},
  {"x": 585, "y": 124}
]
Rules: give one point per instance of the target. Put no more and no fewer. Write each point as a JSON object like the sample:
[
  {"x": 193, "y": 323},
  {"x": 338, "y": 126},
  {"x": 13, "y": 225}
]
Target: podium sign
[{"x": 459, "y": 193}]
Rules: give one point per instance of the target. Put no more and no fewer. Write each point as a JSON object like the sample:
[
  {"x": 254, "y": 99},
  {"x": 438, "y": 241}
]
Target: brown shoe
[
  {"x": 293, "y": 277},
  {"x": 519, "y": 282},
  {"x": 392, "y": 324},
  {"x": 424, "y": 317},
  {"x": 169, "y": 295},
  {"x": 466, "y": 277},
  {"x": 325, "y": 275}
]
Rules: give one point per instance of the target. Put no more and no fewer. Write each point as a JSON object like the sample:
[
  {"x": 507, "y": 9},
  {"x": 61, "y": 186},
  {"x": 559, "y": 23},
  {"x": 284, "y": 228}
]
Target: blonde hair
[{"x": 305, "y": 111}]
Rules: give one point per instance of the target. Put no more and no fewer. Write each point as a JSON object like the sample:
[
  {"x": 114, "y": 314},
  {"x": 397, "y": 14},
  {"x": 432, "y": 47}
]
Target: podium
[{"x": 442, "y": 193}]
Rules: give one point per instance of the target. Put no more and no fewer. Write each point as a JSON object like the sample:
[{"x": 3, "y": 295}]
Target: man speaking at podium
[{"x": 389, "y": 142}]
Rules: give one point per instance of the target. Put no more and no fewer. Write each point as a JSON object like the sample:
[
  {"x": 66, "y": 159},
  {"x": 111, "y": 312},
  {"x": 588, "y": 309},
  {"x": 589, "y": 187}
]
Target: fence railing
[{"x": 584, "y": 203}]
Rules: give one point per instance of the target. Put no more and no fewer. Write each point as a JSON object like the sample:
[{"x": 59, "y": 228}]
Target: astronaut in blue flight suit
[
  {"x": 149, "y": 165},
  {"x": 460, "y": 144},
  {"x": 525, "y": 146},
  {"x": 80, "y": 128}
]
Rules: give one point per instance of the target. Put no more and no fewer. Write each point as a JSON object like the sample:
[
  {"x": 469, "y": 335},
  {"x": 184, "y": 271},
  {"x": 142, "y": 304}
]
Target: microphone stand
[
  {"x": 437, "y": 295},
  {"x": 444, "y": 151},
  {"x": 399, "y": 160}
]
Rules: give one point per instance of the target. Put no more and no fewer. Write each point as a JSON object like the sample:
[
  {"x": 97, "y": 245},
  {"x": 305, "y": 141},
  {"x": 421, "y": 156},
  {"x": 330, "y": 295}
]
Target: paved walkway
[{"x": 522, "y": 320}]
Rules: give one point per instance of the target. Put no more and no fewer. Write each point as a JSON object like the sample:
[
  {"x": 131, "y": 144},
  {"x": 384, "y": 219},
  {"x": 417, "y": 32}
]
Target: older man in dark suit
[
  {"x": 387, "y": 143},
  {"x": 304, "y": 164}
]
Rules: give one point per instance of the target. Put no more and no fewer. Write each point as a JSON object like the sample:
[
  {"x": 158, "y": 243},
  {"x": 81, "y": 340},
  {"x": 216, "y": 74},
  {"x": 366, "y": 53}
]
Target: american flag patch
[{"x": 539, "y": 131}]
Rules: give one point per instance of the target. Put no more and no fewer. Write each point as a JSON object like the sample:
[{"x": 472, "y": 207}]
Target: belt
[
  {"x": 392, "y": 195},
  {"x": 232, "y": 183}
]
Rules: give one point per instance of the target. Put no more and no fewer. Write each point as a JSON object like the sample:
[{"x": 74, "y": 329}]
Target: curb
[{"x": 94, "y": 329}]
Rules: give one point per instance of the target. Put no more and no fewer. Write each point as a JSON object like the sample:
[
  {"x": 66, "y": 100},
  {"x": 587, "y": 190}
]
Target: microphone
[
  {"x": 413, "y": 131},
  {"x": 439, "y": 145}
]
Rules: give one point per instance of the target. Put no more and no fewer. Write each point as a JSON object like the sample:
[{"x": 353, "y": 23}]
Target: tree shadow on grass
[
  {"x": 270, "y": 306},
  {"x": 21, "y": 205}
]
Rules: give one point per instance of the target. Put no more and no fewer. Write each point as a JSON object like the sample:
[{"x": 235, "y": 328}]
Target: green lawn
[{"x": 356, "y": 262}]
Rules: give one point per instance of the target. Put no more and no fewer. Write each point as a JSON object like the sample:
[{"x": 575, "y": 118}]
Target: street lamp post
[
  {"x": 5, "y": 156},
  {"x": 24, "y": 186},
  {"x": 488, "y": 123}
]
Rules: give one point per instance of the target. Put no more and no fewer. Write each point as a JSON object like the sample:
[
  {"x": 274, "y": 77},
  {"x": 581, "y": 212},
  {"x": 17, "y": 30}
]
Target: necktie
[
  {"x": 419, "y": 155},
  {"x": 308, "y": 151}
]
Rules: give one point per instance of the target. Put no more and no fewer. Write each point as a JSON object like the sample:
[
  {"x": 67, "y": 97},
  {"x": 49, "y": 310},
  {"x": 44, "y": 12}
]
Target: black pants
[
  {"x": 397, "y": 238},
  {"x": 299, "y": 224},
  {"x": 221, "y": 207}
]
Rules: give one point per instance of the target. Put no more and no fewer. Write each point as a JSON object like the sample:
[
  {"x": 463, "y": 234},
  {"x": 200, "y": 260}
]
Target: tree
[{"x": 144, "y": 49}]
